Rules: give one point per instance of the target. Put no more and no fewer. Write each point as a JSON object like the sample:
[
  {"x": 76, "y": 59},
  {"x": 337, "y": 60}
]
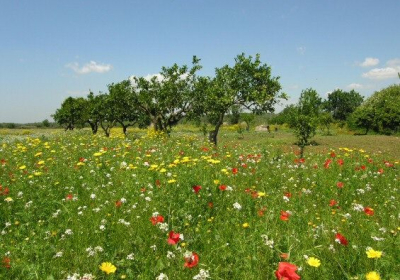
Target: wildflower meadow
[{"x": 78, "y": 206}]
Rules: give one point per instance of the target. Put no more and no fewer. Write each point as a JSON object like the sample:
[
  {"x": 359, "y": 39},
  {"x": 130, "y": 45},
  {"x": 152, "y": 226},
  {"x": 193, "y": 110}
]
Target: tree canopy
[{"x": 380, "y": 112}]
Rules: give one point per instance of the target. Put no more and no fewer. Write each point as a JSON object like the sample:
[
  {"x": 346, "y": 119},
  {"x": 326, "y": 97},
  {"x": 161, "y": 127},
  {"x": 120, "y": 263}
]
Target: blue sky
[{"x": 54, "y": 49}]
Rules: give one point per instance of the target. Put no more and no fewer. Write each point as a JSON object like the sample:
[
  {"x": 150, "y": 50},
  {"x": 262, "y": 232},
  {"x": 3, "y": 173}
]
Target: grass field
[{"x": 77, "y": 206}]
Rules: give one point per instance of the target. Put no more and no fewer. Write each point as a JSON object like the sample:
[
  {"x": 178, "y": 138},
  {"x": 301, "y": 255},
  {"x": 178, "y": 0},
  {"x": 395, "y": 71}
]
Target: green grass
[{"x": 77, "y": 200}]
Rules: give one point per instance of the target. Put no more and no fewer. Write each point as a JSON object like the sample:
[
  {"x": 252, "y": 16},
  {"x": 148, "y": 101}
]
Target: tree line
[
  {"x": 175, "y": 93},
  {"x": 179, "y": 92}
]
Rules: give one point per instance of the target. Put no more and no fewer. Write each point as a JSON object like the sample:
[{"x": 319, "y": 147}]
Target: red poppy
[
  {"x": 341, "y": 239},
  {"x": 196, "y": 188},
  {"x": 380, "y": 171},
  {"x": 369, "y": 211},
  {"x": 340, "y": 185},
  {"x": 234, "y": 171},
  {"x": 340, "y": 162},
  {"x": 284, "y": 216},
  {"x": 286, "y": 271},
  {"x": 332, "y": 202},
  {"x": 210, "y": 205},
  {"x": 6, "y": 262},
  {"x": 4, "y": 191},
  {"x": 363, "y": 167},
  {"x": 158, "y": 183},
  {"x": 288, "y": 194},
  {"x": 157, "y": 219},
  {"x": 173, "y": 238},
  {"x": 82, "y": 159},
  {"x": 327, "y": 163},
  {"x": 222, "y": 187},
  {"x": 69, "y": 196},
  {"x": 118, "y": 203},
  {"x": 370, "y": 160},
  {"x": 254, "y": 194},
  {"x": 192, "y": 260},
  {"x": 333, "y": 154}
]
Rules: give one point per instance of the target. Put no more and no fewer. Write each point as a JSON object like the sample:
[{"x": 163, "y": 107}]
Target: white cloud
[
  {"x": 393, "y": 62},
  {"x": 369, "y": 61},
  {"x": 354, "y": 86},
  {"x": 382, "y": 73},
  {"x": 92, "y": 66}
]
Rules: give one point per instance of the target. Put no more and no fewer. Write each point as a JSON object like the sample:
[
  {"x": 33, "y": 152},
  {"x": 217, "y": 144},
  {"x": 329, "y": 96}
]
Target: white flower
[
  {"x": 162, "y": 276},
  {"x": 267, "y": 241},
  {"x": 237, "y": 206},
  {"x": 68, "y": 232},
  {"x": 203, "y": 274},
  {"x": 58, "y": 254},
  {"x": 131, "y": 256},
  {"x": 170, "y": 255},
  {"x": 92, "y": 196},
  {"x": 376, "y": 238}
]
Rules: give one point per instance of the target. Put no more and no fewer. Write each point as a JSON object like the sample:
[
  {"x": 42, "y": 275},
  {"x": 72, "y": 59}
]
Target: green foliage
[
  {"x": 247, "y": 84},
  {"x": 248, "y": 118},
  {"x": 168, "y": 97},
  {"x": 326, "y": 121},
  {"x": 72, "y": 113},
  {"x": 380, "y": 112},
  {"x": 305, "y": 118},
  {"x": 46, "y": 123},
  {"x": 341, "y": 103},
  {"x": 285, "y": 116},
  {"x": 234, "y": 115}
]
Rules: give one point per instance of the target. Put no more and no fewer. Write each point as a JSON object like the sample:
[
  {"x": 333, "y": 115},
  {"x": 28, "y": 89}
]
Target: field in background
[{"x": 388, "y": 146}]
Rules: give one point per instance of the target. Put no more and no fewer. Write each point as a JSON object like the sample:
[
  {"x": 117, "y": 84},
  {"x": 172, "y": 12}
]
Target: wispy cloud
[
  {"x": 301, "y": 50},
  {"x": 389, "y": 72},
  {"x": 90, "y": 67},
  {"x": 369, "y": 62},
  {"x": 354, "y": 86}
]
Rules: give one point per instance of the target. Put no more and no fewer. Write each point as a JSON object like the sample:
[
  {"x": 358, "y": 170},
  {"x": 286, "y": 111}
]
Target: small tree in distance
[{"x": 305, "y": 118}]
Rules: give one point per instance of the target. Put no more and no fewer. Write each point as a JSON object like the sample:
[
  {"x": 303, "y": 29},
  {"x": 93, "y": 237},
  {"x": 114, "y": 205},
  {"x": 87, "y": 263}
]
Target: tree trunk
[
  {"x": 94, "y": 127},
  {"x": 212, "y": 136}
]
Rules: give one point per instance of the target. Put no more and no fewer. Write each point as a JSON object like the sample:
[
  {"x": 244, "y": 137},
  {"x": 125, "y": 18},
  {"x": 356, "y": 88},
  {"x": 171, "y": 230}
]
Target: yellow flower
[
  {"x": 313, "y": 262},
  {"x": 372, "y": 254},
  {"x": 373, "y": 276},
  {"x": 97, "y": 154},
  {"x": 107, "y": 267},
  {"x": 22, "y": 167},
  {"x": 8, "y": 199},
  {"x": 261, "y": 194},
  {"x": 245, "y": 225},
  {"x": 216, "y": 182}
]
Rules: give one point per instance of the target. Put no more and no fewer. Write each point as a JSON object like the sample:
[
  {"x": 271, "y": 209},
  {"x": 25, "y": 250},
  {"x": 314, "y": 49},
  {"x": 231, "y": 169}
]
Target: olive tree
[
  {"x": 247, "y": 84},
  {"x": 168, "y": 97}
]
